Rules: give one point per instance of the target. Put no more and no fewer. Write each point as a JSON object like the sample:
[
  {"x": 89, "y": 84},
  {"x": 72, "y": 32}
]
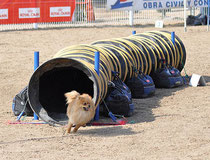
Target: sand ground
[{"x": 172, "y": 125}]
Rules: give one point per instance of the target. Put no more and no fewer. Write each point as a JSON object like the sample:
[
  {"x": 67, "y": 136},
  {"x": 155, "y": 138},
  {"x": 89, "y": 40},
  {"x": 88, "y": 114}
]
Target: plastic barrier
[
  {"x": 36, "y": 11},
  {"x": 72, "y": 68}
]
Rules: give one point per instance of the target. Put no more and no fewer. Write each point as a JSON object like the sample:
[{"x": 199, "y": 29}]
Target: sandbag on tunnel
[{"x": 72, "y": 68}]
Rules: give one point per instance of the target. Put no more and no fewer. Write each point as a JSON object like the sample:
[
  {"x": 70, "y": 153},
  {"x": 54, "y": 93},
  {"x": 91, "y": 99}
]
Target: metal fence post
[
  {"x": 185, "y": 16},
  {"x": 131, "y": 17}
]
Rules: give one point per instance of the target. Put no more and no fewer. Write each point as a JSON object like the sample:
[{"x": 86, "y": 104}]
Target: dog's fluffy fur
[{"x": 80, "y": 110}]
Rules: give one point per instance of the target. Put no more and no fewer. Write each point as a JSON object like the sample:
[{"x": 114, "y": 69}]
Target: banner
[
  {"x": 36, "y": 11},
  {"x": 3, "y": 13},
  {"x": 29, "y": 12},
  {"x": 120, "y": 4},
  {"x": 60, "y": 11},
  {"x": 152, "y": 4}
]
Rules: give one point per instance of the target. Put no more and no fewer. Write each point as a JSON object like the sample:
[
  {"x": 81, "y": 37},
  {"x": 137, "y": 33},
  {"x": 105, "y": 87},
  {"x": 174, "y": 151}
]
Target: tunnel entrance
[
  {"x": 55, "y": 83},
  {"x": 51, "y": 81}
]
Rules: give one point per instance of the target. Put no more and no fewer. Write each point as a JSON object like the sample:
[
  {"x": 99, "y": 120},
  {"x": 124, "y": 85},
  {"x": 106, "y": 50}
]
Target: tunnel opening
[
  {"x": 56, "y": 82},
  {"x": 51, "y": 81}
]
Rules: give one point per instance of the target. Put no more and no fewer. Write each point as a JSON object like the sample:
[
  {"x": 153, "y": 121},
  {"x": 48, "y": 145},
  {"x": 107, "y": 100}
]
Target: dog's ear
[
  {"x": 90, "y": 97},
  {"x": 81, "y": 98},
  {"x": 85, "y": 96},
  {"x": 70, "y": 96}
]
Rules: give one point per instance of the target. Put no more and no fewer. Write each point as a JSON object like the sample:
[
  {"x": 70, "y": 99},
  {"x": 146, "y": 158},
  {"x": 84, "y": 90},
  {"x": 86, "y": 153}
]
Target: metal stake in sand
[
  {"x": 173, "y": 37},
  {"x": 96, "y": 67},
  {"x": 185, "y": 15},
  {"x": 20, "y": 115},
  {"x": 36, "y": 65}
]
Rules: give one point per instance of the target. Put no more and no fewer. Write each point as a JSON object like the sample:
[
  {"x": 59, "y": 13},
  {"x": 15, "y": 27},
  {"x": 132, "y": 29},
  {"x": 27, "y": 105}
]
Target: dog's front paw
[{"x": 65, "y": 131}]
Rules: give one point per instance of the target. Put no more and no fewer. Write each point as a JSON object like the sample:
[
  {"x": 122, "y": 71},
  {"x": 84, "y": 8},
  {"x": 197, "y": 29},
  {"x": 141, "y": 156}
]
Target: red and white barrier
[{"x": 36, "y": 11}]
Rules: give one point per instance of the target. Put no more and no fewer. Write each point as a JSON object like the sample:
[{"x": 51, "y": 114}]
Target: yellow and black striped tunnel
[{"x": 72, "y": 68}]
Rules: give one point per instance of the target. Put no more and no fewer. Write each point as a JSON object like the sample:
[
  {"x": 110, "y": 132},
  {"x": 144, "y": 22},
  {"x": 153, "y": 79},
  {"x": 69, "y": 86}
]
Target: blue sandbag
[
  {"x": 141, "y": 86},
  {"x": 118, "y": 99},
  {"x": 167, "y": 77}
]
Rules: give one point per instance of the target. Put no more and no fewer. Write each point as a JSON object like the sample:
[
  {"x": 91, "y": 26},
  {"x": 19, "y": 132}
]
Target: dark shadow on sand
[
  {"x": 106, "y": 131},
  {"x": 207, "y": 79},
  {"x": 143, "y": 107}
]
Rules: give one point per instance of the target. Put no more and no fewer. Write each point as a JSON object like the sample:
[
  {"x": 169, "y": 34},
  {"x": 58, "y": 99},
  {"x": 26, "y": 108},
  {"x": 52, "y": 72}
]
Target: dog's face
[{"x": 85, "y": 102}]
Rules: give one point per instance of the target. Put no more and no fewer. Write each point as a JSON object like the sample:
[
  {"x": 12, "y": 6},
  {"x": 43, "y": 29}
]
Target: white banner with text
[{"x": 152, "y": 4}]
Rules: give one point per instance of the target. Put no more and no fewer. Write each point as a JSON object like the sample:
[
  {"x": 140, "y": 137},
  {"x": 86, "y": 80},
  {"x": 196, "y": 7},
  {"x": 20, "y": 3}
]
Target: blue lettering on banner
[
  {"x": 172, "y": 4},
  {"x": 121, "y": 4},
  {"x": 155, "y": 5},
  {"x": 189, "y": 2},
  {"x": 205, "y": 2},
  {"x": 200, "y": 3},
  {"x": 195, "y": 2},
  {"x": 145, "y": 5},
  {"x": 159, "y": 4},
  {"x": 151, "y": 5}
]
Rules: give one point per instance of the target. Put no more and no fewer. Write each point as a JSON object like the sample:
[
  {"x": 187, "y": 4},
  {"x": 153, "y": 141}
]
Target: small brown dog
[{"x": 80, "y": 110}]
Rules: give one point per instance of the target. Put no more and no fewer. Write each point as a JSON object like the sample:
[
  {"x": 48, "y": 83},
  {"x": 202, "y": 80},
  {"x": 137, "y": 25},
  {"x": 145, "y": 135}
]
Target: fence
[{"x": 82, "y": 13}]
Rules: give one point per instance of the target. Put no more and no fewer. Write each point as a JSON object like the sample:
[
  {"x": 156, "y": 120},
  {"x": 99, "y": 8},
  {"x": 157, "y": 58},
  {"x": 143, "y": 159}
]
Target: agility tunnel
[{"x": 72, "y": 68}]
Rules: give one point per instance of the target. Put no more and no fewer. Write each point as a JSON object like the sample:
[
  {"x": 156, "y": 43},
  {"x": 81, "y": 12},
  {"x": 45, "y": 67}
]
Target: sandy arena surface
[{"x": 172, "y": 125}]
